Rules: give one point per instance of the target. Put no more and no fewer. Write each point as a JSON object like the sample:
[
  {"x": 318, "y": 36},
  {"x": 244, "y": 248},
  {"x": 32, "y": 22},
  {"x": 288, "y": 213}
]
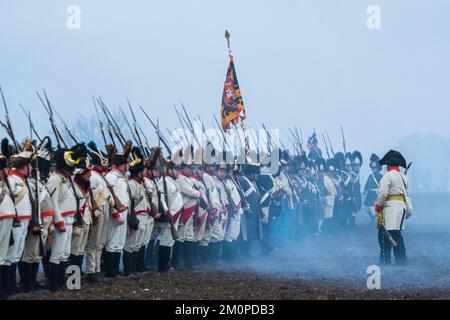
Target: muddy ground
[{"x": 325, "y": 267}]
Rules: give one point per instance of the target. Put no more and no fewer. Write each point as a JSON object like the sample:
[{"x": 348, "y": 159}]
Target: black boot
[
  {"x": 45, "y": 262},
  {"x": 21, "y": 269},
  {"x": 116, "y": 264},
  {"x": 80, "y": 263},
  {"x": 134, "y": 262},
  {"x": 399, "y": 250},
  {"x": 3, "y": 293},
  {"x": 150, "y": 260},
  {"x": 227, "y": 253},
  {"x": 188, "y": 254},
  {"x": 61, "y": 278},
  {"x": 72, "y": 260},
  {"x": 25, "y": 277},
  {"x": 34, "y": 272},
  {"x": 13, "y": 279},
  {"x": 196, "y": 254},
  {"x": 126, "y": 260},
  {"x": 385, "y": 247},
  {"x": 5, "y": 279},
  {"x": 164, "y": 258},
  {"x": 203, "y": 253},
  {"x": 108, "y": 264},
  {"x": 141, "y": 260},
  {"x": 52, "y": 278},
  {"x": 176, "y": 251}
]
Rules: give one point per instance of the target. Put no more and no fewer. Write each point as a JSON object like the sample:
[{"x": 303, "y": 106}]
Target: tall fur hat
[{"x": 119, "y": 158}]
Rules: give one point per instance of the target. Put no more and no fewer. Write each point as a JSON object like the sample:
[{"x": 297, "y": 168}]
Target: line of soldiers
[{"x": 65, "y": 206}]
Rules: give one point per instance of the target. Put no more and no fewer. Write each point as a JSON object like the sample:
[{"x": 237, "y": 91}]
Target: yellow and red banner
[{"x": 232, "y": 104}]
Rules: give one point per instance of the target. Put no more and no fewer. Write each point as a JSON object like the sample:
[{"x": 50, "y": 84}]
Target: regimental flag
[{"x": 232, "y": 104}]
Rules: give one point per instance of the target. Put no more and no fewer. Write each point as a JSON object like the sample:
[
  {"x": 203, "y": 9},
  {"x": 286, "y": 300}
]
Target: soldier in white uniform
[
  {"x": 7, "y": 215},
  {"x": 89, "y": 212},
  {"x": 190, "y": 196},
  {"x": 162, "y": 229},
  {"x": 330, "y": 191},
  {"x": 99, "y": 230},
  {"x": 117, "y": 229},
  {"x": 35, "y": 242},
  {"x": 391, "y": 208},
  {"x": 139, "y": 214},
  {"x": 157, "y": 203},
  {"x": 66, "y": 211},
  {"x": 212, "y": 223},
  {"x": 200, "y": 216},
  {"x": 234, "y": 216},
  {"x": 17, "y": 177}
]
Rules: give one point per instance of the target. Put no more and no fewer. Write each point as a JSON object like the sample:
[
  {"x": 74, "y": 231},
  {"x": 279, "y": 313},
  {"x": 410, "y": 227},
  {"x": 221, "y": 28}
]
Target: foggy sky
[{"x": 308, "y": 63}]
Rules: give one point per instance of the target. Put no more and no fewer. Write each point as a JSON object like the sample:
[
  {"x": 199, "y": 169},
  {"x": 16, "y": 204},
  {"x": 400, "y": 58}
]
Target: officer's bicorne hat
[
  {"x": 348, "y": 159},
  {"x": 357, "y": 159},
  {"x": 394, "y": 159},
  {"x": 45, "y": 155},
  {"x": 321, "y": 164},
  {"x": 96, "y": 156},
  {"x": 69, "y": 159},
  {"x": 137, "y": 162},
  {"x": 339, "y": 160},
  {"x": 5, "y": 153},
  {"x": 25, "y": 156},
  {"x": 118, "y": 158},
  {"x": 374, "y": 161}
]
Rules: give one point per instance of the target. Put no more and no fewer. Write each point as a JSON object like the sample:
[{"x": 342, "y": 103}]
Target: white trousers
[
  {"x": 135, "y": 238},
  {"x": 79, "y": 240},
  {"x": 117, "y": 234},
  {"x": 5, "y": 235},
  {"x": 61, "y": 243},
  {"x": 15, "y": 251},
  {"x": 31, "y": 250}
]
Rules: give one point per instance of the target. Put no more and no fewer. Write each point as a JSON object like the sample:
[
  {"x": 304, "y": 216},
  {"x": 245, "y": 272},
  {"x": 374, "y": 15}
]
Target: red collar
[
  {"x": 98, "y": 170},
  {"x": 389, "y": 168},
  {"x": 14, "y": 172}
]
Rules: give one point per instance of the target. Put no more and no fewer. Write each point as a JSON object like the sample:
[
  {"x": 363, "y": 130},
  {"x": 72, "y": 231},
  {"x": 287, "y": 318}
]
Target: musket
[
  {"x": 182, "y": 125},
  {"x": 112, "y": 122},
  {"x": 160, "y": 138},
  {"x": 173, "y": 230},
  {"x": 326, "y": 146},
  {"x": 300, "y": 137},
  {"x": 343, "y": 140},
  {"x": 51, "y": 111},
  {"x": 135, "y": 125},
  {"x": 136, "y": 140},
  {"x": 191, "y": 125},
  {"x": 102, "y": 131},
  {"x": 329, "y": 142},
  {"x": 110, "y": 127},
  {"x": 59, "y": 138},
  {"x": 69, "y": 132},
  {"x": 32, "y": 127},
  {"x": 178, "y": 143},
  {"x": 220, "y": 132},
  {"x": 8, "y": 122}
]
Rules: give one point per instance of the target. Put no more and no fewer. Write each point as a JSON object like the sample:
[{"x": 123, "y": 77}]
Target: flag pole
[{"x": 246, "y": 146}]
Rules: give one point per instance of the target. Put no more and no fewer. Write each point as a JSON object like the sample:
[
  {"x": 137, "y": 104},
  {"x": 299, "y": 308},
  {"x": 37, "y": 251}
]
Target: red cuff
[
  {"x": 168, "y": 213},
  {"x": 377, "y": 207},
  {"x": 116, "y": 215},
  {"x": 60, "y": 225}
]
